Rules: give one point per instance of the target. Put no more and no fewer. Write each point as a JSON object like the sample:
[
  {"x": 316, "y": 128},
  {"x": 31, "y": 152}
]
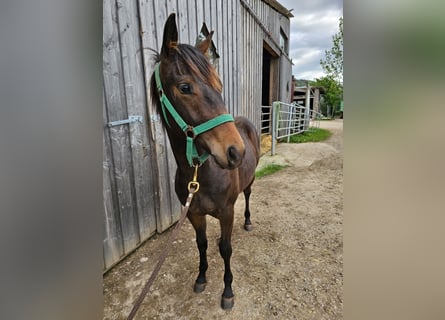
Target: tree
[
  {"x": 333, "y": 63},
  {"x": 333, "y": 67},
  {"x": 333, "y": 95}
]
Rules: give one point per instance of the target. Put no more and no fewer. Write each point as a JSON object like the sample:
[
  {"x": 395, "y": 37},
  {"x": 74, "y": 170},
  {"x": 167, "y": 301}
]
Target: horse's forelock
[{"x": 199, "y": 65}]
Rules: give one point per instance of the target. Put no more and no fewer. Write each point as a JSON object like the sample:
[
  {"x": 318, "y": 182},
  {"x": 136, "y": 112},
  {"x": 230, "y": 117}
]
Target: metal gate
[{"x": 282, "y": 120}]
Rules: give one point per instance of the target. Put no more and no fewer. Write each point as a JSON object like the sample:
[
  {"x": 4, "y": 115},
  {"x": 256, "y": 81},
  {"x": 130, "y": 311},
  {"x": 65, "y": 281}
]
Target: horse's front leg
[
  {"x": 225, "y": 249},
  {"x": 199, "y": 224}
]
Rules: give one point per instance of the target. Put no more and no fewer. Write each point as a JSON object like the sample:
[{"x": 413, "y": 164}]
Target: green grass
[
  {"x": 269, "y": 169},
  {"x": 314, "y": 135}
]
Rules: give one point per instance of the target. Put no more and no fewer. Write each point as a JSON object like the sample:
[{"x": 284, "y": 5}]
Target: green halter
[{"x": 190, "y": 132}]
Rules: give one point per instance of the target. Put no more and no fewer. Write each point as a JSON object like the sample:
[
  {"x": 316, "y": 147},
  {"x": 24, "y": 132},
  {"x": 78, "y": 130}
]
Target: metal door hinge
[{"x": 130, "y": 119}]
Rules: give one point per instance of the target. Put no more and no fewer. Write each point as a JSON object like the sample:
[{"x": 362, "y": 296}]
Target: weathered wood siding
[
  {"x": 138, "y": 165},
  {"x": 261, "y": 24}
]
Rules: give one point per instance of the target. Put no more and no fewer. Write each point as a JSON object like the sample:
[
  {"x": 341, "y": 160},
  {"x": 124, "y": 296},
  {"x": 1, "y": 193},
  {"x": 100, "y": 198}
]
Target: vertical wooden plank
[
  {"x": 234, "y": 66},
  {"x": 260, "y": 46},
  {"x": 241, "y": 47},
  {"x": 200, "y": 16},
  {"x": 238, "y": 52},
  {"x": 316, "y": 102},
  {"x": 251, "y": 53},
  {"x": 192, "y": 28},
  {"x": 112, "y": 243},
  {"x": 159, "y": 15},
  {"x": 253, "y": 72},
  {"x": 152, "y": 25},
  {"x": 214, "y": 11},
  {"x": 182, "y": 21},
  {"x": 208, "y": 17},
  {"x": 254, "y": 81},
  {"x": 182, "y": 24},
  {"x": 247, "y": 67},
  {"x": 149, "y": 42},
  {"x": 223, "y": 21},
  {"x": 153, "y": 17},
  {"x": 242, "y": 52},
  {"x": 175, "y": 206},
  {"x": 115, "y": 99},
  {"x": 255, "y": 84},
  {"x": 245, "y": 88},
  {"x": 231, "y": 45},
  {"x": 259, "y": 71},
  {"x": 243, "y": 61},
  {"x": 136, "y": 104}
]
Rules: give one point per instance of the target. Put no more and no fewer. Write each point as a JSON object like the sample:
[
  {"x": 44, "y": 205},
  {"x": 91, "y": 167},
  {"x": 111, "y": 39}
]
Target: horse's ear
[
  {"x": 203, "y": 46},
  {"x": 170, "y": 40}
]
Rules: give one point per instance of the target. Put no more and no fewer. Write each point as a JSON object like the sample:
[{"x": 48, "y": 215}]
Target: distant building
[{"x": 300, "y": 89}]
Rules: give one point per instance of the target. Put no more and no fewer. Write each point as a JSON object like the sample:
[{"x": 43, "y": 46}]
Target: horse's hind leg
[
  {"x": 199, "y": 224},
  {"x": 247, "y": 222}
]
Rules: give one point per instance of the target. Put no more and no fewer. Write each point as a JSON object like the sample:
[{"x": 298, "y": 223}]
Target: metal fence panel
[{"x": 282, "y": 120}]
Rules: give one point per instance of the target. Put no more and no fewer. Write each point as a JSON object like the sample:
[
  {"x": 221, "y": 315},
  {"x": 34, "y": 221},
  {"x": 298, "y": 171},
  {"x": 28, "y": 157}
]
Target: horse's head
[{"x": 193, "y": 87}]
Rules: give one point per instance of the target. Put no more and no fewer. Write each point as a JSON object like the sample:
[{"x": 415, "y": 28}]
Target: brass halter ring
[{"x": 194, "y": 183}]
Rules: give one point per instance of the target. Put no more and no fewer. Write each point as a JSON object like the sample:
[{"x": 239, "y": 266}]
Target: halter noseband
[{"x": 191, "y": 132}]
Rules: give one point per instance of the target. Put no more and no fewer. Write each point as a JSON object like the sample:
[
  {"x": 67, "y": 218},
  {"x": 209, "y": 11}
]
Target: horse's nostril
[
  {"x": 233, "y": 156},
  {"x": 233, "y": 153}
]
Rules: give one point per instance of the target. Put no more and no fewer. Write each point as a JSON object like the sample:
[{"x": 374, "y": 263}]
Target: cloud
[{"x": 312, "y": 27}]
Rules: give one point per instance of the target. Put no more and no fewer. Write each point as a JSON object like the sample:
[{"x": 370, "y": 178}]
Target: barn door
[
  {"x": 270, "y": 82},
  {"x": 137, "y": 167}
]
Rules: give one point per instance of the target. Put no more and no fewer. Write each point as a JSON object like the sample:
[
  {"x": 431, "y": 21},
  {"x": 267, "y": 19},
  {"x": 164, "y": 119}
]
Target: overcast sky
[{"x": 311, "y": 30}]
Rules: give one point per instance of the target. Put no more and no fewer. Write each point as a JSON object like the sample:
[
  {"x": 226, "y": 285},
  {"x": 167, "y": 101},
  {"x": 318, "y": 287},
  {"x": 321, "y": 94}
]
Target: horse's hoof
[
  {"x": 199, "y": 287},
  {"x": 248, "y": 227},
  {"x": 227, "y": 303}
]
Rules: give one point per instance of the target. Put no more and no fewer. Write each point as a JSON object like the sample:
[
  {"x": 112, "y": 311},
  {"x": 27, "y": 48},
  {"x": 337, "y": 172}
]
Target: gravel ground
[{"x": 289, "y": 267}]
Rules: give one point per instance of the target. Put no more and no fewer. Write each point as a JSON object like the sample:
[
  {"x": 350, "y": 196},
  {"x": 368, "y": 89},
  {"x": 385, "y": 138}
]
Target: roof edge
[{"x": 279, "y": 7}]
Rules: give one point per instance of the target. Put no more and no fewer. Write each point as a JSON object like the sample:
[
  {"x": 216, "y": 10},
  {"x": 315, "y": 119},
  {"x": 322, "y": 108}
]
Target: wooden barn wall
[
  {"x": 138, "y": 165},
  {"x": 222, "y": 16},
  {"x": 254, "y": 12},
  {"x": 251, "y": 65}
]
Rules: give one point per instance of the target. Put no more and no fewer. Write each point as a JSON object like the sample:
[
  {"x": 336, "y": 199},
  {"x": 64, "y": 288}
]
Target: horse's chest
[
  {"x": 212, "y": 196},
  {"x": 206, "y": 204}
]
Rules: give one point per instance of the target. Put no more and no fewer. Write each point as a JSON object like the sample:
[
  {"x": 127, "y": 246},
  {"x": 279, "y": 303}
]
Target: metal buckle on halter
[{"x": 189, "y": 132}]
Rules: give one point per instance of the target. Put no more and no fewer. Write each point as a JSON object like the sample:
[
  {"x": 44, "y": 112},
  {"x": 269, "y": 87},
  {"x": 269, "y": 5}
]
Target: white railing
[{"x": 282, "y": 120}]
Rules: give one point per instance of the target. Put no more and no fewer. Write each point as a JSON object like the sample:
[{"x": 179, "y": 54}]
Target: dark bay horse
[{"x": 187, "y": 91}]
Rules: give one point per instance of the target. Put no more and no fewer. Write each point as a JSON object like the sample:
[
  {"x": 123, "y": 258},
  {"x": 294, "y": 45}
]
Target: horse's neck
[
  {"x": 184, "y": 171},
  {"x": 177, "y": 144}
]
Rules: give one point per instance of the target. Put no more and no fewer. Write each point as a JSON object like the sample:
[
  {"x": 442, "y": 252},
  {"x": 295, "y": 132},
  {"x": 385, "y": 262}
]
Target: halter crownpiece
[{"x": 191, "y": 132}]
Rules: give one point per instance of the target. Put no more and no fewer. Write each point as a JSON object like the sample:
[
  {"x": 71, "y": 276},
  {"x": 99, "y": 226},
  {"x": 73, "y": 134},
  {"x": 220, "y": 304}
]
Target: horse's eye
[{"x": 185, "y": 88}]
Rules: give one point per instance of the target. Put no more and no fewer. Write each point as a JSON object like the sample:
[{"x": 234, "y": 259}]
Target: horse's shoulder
[{"x": 248, "y": 131}]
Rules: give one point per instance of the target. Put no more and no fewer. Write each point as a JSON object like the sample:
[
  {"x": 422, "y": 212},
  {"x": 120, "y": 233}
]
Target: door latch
[{"x": 130, "y": 119}]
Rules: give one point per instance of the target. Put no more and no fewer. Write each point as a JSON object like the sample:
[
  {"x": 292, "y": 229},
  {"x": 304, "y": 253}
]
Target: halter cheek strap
[{"x": 190, "y": 132}]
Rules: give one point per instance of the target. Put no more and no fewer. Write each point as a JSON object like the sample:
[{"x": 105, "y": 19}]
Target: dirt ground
[{"x": 290, "y": 266}]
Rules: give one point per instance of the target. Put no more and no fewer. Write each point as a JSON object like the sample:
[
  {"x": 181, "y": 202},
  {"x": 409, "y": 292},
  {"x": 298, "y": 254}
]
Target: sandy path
[{"x": 288, "y": 267}]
